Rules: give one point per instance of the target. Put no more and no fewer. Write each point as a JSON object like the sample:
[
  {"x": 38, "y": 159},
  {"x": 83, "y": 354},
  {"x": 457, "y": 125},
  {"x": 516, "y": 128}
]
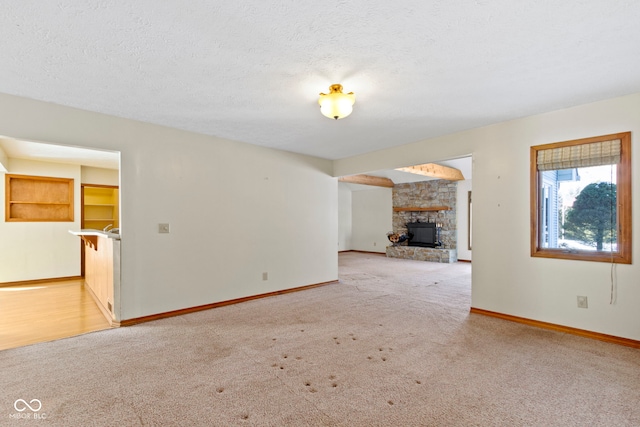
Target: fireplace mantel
[{"x": 417, "y": 209}]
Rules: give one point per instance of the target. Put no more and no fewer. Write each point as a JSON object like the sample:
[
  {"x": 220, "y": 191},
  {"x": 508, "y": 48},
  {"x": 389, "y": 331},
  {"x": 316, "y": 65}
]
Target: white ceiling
[{"x": 251, "y": 70}]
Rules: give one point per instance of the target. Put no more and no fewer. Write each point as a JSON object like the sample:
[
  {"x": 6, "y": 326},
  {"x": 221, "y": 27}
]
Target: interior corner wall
[
  {"x": 371, "y": 219},
  {"x": 4, "y": 161},
  {"x": 235, "y": 210},
  {"x": 344, "y": 217},
  {"x": 40, "y": 250},
  {"x": 505, "y": 278}
]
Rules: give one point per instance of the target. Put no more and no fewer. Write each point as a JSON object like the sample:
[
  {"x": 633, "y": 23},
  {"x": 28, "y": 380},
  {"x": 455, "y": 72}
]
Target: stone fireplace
[{"x": 426, "y": 202}]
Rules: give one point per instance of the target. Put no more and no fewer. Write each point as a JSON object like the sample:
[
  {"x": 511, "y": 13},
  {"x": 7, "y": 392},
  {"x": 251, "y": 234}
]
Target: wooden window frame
[
  {"x": 39, "y": 205},
  {"x": 623, "y": 195}
]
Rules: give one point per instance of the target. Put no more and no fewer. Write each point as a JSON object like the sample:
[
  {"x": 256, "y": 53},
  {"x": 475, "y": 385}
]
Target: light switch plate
[{"x": 163, "y": 228}]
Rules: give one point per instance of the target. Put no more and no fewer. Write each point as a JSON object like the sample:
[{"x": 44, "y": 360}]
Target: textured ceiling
[{"x": 251, "y": 70}]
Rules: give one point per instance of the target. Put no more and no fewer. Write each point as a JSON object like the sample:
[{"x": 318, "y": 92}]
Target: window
[
  {"x": 581, "y": 199},
  {"x": 38, "y": 198}
]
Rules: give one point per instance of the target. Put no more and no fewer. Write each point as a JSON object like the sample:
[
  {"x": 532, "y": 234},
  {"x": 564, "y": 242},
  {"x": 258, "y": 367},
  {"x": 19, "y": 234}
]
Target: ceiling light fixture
[{"x": 335, "y": 104}]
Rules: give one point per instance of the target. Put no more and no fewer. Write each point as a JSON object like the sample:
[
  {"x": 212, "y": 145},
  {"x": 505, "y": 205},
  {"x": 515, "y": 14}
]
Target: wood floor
[{"x": 46, "y": 311}]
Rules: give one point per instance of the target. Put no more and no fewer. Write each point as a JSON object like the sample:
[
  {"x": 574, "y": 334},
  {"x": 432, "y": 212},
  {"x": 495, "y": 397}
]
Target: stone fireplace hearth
[{"x": 428, "y": 201}]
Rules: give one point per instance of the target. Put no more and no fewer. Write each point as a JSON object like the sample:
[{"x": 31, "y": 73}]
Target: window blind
[{"x": 580, "y": 156}]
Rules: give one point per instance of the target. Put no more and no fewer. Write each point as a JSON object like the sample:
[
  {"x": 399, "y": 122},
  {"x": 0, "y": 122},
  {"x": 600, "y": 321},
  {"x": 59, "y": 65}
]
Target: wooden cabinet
[
  {"x": 102, "y": 270},
  {"x": 99, "y": 273},
  {"x": 99, "y": 207},
  {"x": 38, "y": 198}
]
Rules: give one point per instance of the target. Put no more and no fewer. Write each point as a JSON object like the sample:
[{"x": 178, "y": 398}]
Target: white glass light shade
[{"x": 336, "y": 105}]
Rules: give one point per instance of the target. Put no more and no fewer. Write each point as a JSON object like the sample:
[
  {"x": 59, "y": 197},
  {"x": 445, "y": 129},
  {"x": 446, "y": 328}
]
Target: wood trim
[
  {"x": 417, "y": 209},
  {"x": 39, "y": 281},
  {"x": 376, "y": 181},
  {"x": 464, "y": 260},
  {"x": 135, "y": 321},
  {"x": 115, "y": 187},
  {"x": 433, "y": 170},
  {"x": 623, "y": 178},
  {"x": 560, "y": 328}
]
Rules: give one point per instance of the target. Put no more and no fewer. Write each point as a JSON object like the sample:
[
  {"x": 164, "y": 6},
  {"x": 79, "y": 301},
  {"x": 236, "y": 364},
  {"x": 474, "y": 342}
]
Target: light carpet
[{"x": 392, "y": 344}]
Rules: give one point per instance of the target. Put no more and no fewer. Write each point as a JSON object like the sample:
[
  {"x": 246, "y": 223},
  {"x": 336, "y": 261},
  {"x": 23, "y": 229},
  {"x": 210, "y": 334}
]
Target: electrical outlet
[
  {"x": 265, "y": 276},
  {"x": 163, "y": 228},
  {"x": 582, "y": 302}
]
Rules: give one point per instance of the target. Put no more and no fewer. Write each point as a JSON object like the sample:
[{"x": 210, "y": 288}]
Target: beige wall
[
  {"x": 236, "y": 210},
  {"x": 101, "y": 176},
  {"x": 372, "y": 210},
  {"x": 40, "y": 250},
  {"x": 505, "y": 277},
  {"x": 344, "y": 217}
]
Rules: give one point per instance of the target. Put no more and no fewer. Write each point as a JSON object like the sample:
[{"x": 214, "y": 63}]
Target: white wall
[
  {"x": 235, "y": 210},
  {"x": 462, "y": 219},
  {"x": 505, "y": 277},
  {"x": 344, "y": 217},
  {"x": 4, "y": 161},
  {"x": 100, "y": 176},
  {"x": 371, "y": 219},
  {"x": 40, "y": 250}
]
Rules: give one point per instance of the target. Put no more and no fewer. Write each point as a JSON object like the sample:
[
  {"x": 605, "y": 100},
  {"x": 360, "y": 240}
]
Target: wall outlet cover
[{"x": 582, "y": 302}]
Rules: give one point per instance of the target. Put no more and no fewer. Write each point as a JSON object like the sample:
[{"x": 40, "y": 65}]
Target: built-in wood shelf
[
  {"x": 417, "y": 209},
  {"x": 38, "y": 198}
]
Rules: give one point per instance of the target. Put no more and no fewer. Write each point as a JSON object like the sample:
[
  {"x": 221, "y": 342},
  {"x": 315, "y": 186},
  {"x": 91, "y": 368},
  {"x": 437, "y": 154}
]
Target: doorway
[{"x": 39, "y": 260}]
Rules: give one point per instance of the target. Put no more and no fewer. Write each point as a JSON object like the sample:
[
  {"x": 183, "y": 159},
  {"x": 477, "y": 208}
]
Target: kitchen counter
[
  {"x": 90, "y": 236},
  {"x": 102, "y": 270}
]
